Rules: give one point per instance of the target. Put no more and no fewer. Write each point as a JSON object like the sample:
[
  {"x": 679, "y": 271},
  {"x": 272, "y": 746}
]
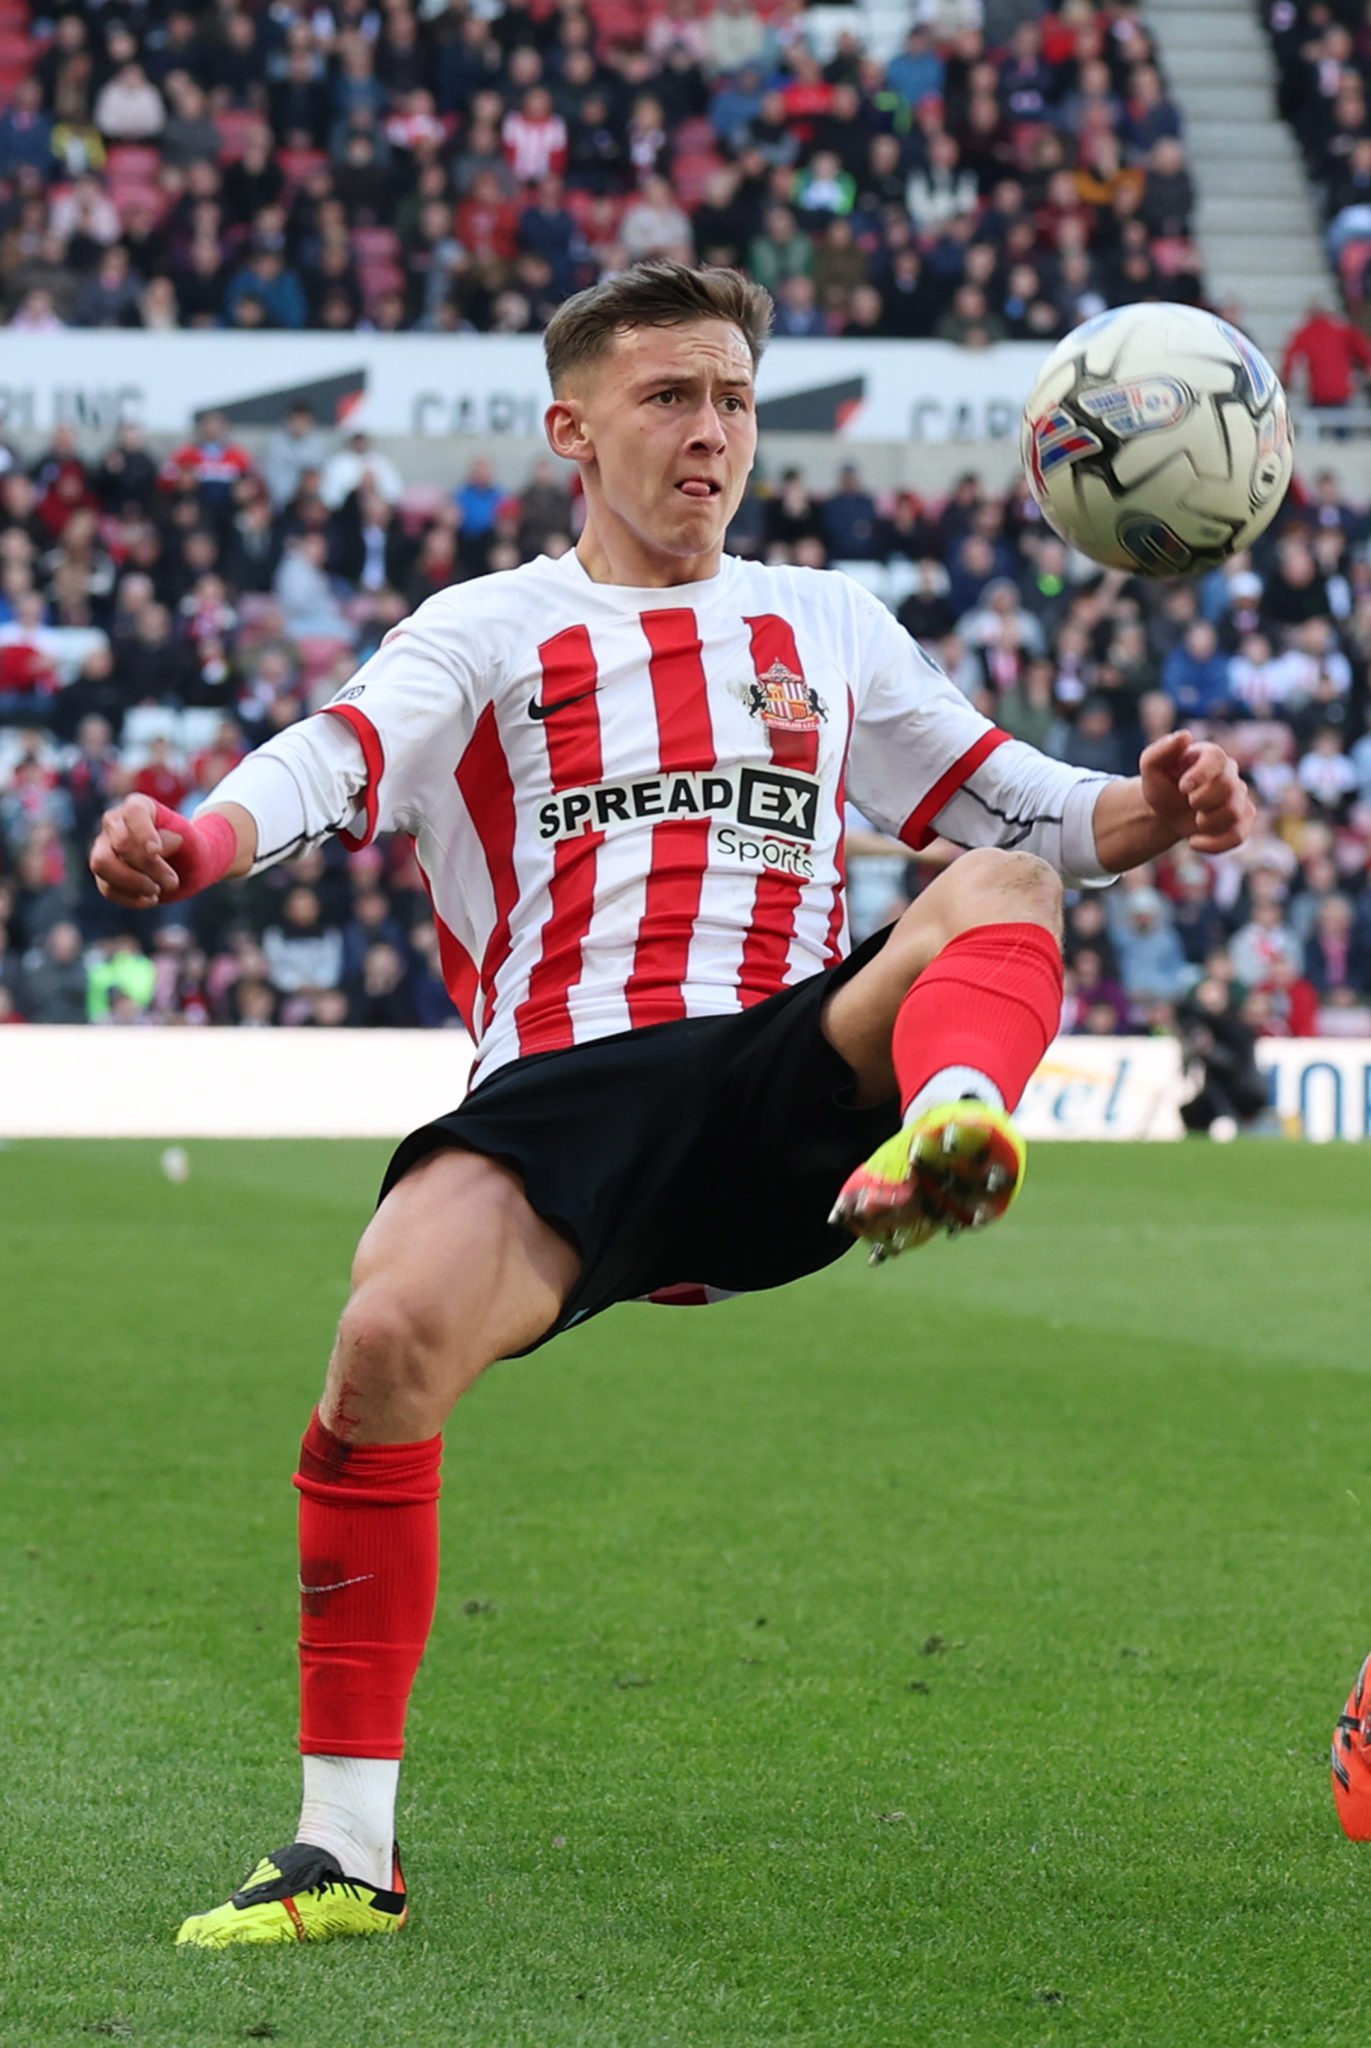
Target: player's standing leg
[
  {"x": 954, "y": 1013},
  {"x": 454, "y": 1272}
]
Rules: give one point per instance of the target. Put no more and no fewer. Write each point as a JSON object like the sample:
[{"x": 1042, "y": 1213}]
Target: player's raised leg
[
  {"x": 455, "y": 1271},
  {"x": 953, "y": 1015}
]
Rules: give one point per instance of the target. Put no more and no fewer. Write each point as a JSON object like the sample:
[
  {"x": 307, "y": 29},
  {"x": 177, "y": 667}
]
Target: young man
[{"x": 625, "y": 774}]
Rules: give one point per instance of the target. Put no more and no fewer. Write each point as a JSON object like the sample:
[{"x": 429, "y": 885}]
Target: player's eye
[{"x": 668, "y": 395}]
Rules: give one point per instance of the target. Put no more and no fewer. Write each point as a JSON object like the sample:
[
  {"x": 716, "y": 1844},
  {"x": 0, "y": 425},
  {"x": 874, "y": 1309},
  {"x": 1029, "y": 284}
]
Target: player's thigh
[
  {"x": 455, "y": 1270},
  {"x": 985, "y": 887}
]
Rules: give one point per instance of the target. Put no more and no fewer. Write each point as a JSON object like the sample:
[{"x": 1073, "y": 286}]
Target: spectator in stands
[
  {"x": 1195, "y": 675},
  {"x": 1152, "y": 963},
  {"x": 129, "y": 108},
  {"x": 1326, "y": 354},
  {"x": 654, "y": 224},
  {"x": 355, "y": 463},
  {"x": 295, "y": 449}
]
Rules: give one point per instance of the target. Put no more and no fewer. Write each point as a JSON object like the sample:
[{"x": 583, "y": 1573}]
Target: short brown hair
[{"x": 659, "y": 293}]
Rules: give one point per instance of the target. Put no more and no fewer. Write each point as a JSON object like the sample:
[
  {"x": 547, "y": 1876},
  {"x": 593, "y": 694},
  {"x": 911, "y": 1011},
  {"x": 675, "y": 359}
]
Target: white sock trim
[
  {"x": 949, "y": 1084},
  {"x": 349, "y": 1809}
]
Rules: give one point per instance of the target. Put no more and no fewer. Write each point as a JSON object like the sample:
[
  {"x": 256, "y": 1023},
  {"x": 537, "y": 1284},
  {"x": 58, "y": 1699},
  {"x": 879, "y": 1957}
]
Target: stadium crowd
[
  {"x": 158, "y": 617},
  {"x": 405, "y": 166}
]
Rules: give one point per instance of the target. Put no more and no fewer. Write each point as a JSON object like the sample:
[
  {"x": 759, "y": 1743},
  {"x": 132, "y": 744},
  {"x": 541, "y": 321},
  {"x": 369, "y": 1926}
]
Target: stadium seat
[
  {"x": 375, "y": 244},
  {"x": 236, "y": 126},
  {"x": 318, "y": 652},
  {"x": 133, "y": 163},
  {"x": 873, "y": 576},
  {"x": 418, "y": 503},
  {"x": 296, "y": 164},
  {"x": 198, "y": 726},
  {"x": 691, "y": 174},
  {"x": 145, "y": 723}
]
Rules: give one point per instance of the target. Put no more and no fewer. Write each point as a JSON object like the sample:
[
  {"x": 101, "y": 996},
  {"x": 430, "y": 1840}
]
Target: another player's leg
[
  {"x": 953, "y": 1014},
  {"x": 454, "y": 1272}
]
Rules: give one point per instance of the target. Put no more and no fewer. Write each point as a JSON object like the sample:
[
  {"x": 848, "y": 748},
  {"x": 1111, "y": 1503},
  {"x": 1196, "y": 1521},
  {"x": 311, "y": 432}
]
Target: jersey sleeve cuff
[
  {"x": 1080, "y": 860},
  {"x": 373, "y": 753}
]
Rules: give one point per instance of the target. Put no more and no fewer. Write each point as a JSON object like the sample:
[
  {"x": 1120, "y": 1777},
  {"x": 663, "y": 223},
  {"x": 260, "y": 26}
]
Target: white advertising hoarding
[
  {"x": 1322, "y": 1084},
  {"x": 1111, "y": 1088},
  {"x": 429, "y": 385},
  {"x": 159, "y": 1082}
]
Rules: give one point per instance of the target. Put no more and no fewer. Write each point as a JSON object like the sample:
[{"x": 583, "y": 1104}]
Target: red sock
[
  {"x": 369, "y": 1580},
  {"x": 991, "y": 1000}
]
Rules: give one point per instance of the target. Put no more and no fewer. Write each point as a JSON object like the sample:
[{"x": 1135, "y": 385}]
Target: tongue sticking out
[{"x": 695, "y": 488}]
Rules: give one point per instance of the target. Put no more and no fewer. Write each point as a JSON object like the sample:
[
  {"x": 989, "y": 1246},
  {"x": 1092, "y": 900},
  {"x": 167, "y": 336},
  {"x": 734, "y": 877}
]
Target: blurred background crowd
[
  {"x": 158, "y": 616},
  {"x": 446, "y": 167},
  {"x": 386, "y": 165}
]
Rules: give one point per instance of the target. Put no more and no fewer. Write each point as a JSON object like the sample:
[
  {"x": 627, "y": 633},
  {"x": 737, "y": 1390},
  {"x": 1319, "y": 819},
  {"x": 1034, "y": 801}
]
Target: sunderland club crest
[{"x": 781, "y": 698}]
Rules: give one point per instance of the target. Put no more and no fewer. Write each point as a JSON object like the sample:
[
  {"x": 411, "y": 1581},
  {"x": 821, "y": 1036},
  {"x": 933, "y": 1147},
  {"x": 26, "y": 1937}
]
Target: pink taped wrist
[{"x": 208, "y": 849}]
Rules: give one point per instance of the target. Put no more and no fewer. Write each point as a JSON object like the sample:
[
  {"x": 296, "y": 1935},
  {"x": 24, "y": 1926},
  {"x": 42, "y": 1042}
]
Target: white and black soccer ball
[{"x": 1157, "y": 439}]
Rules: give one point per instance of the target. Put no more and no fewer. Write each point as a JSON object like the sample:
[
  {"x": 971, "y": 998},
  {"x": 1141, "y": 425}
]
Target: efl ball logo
[{"x": 1141, "y": 407}]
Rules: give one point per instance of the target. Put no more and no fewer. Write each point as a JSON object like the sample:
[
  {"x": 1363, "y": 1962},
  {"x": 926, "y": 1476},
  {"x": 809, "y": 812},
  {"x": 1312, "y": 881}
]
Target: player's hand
[
  {"x": 129, "y": 857},
  {"x": 1195, "y": 788}
]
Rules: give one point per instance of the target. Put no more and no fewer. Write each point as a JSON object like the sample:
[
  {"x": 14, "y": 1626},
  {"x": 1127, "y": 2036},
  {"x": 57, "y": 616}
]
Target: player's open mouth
[{"x": 699, "y": 487}]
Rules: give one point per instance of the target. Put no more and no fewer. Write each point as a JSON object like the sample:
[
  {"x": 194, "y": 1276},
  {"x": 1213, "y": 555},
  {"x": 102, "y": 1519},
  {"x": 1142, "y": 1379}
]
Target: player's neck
[{"x": 622, "y": 559}]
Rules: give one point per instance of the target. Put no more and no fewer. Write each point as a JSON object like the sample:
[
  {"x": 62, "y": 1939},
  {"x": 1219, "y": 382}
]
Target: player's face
[{"x": 669, "y": 425}]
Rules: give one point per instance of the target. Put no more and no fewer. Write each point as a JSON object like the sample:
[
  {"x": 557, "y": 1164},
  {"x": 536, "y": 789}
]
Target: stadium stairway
[{"x": 1255, "y": 218}]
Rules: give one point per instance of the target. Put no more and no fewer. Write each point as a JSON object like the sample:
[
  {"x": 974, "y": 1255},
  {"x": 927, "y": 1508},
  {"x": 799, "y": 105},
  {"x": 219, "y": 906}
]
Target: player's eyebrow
[{"x": 688, "y": 380}]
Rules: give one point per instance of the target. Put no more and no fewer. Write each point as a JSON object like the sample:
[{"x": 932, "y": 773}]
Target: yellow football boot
[
  {"x": 299, "y": 1894},
  {"x": 957, "y": 1167}
]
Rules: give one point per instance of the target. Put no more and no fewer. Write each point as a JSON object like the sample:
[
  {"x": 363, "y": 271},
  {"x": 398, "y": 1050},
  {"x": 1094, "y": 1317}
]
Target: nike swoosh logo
[
  {"x": 541, "y": 711},
  {"x": 335, "y": 1589}
]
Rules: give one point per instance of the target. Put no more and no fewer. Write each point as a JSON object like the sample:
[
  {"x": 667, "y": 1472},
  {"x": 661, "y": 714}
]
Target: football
[{"x": 1157, "y": 439}]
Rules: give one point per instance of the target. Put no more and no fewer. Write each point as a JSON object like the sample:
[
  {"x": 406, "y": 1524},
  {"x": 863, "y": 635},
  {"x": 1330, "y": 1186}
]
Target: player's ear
[{"x": 567, "y": 432}]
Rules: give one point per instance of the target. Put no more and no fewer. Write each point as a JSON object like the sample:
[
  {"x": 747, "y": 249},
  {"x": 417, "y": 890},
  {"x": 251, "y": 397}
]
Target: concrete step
[
  {"x": 1252, "y": 104},
  {"x": 1286, "y": 296},
  {"x": 1246, "y": 213},
  {"x": 1189, "y": 69},
  {"x": 1279, "y": 255},
  {"x": 1261, "y": 142},
  {"x": 1196, "y": 28},
  {"x": 1253, "y": 179}
]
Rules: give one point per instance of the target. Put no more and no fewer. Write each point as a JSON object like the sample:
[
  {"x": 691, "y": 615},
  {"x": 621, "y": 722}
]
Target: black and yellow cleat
[{"x": 299, "y": 1894}]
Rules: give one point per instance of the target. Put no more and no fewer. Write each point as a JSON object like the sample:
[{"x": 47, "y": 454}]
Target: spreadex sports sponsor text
[{"x": 780, "y": 804}]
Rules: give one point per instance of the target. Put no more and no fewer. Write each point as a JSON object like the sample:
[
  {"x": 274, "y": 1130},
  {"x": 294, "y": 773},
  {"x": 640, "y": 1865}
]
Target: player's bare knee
[
  {"x": 1014, "y": 887},
  {"x": 393, "y": 1347}
]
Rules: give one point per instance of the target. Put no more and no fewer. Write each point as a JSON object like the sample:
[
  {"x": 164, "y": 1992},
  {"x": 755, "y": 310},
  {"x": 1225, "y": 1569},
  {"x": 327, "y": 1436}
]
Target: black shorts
[{"x": 707, "y": 1152}]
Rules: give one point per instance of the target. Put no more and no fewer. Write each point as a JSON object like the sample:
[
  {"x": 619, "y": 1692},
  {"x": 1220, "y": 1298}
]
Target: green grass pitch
[{"x": 940, "y": 1657}]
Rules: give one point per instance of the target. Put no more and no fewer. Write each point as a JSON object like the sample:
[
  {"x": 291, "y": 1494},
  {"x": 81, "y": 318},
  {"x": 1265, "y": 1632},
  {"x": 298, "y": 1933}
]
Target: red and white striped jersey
[{"x": 628, "y": 804}]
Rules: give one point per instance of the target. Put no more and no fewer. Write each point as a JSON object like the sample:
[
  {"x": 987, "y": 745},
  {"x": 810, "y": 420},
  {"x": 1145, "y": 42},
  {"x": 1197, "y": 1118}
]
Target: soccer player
[{"x": 624, "y": 772}]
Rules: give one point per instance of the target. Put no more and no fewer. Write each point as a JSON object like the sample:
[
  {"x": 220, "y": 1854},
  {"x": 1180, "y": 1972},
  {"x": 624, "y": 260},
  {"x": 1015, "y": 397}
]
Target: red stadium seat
[
  {"x": 375, "y": 245},
  {"x": 1353, "y": 259},
  {"x": 129, "y": 199},
  {"x": 690, "y": 174},
  {"x": 418, "y": 503},
  {"x": 695, "y": 137},
  {"x": 237, "y": 126},
  {"x": 133, "y": 163},
  {"x": 318, "y": 652},
  {"x": 296, "y": 164},
  {"x": 375, "y": 278}
]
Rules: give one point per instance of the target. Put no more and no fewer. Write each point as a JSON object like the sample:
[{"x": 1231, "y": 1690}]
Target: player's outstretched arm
[
  {"x": 146, "y": 854},
  {"x": 1185, "y": 789}
]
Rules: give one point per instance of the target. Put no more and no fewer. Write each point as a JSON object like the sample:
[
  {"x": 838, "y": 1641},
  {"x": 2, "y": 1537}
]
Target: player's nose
[{"x": 707, "y": 430}]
